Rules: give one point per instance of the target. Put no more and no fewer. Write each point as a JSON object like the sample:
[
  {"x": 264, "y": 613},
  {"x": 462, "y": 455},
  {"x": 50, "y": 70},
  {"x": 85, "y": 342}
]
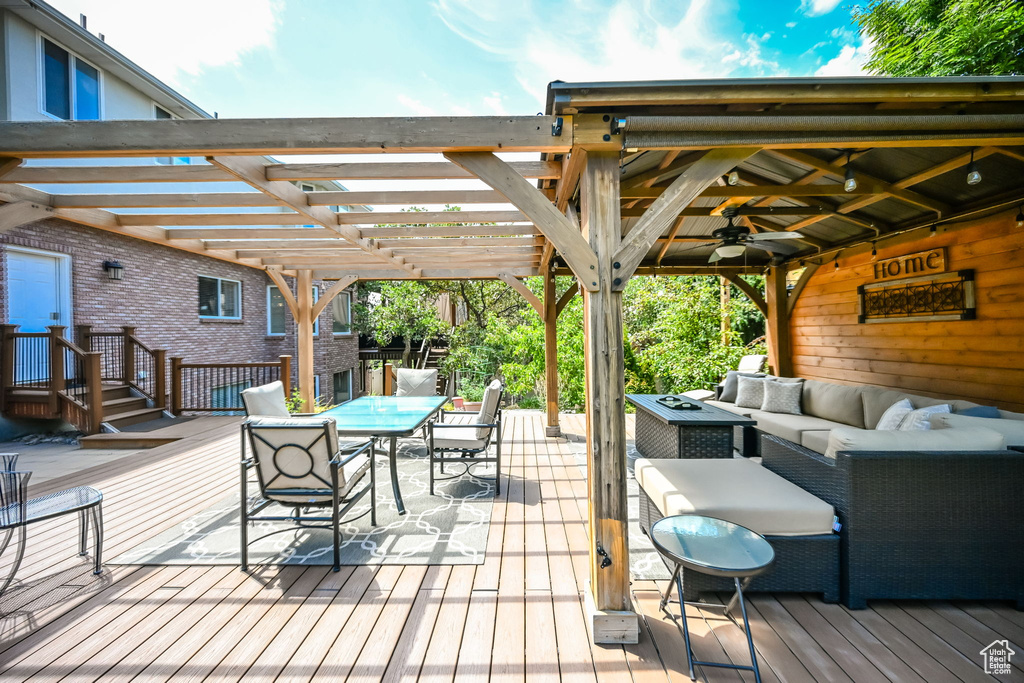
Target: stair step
[
  {"x": 119, "y": 406},
  {"x": 133, "y": 417},
  {"x": 113, "y": 391}
]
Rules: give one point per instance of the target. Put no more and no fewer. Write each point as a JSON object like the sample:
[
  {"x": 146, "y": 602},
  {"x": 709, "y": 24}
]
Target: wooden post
[
  {"x": 724, "y": 295},
  {"x": 57, "y": 383},
  {"x": 160, "y": 378},
  {"x": 176, "y": 385},
  {"x": 286, "y": 375},
  {"x": 7, "y": 371},
  {"x": 94, "y": 387},
  {"x": 83, "y": 337},
  {"x": 304, "y": 321},
  {"x": 610, "y": 615},
  {"x": 550, "y": 309},
  {"x": 780, "y": 352},
  {"x": 128, "y": 355},
  {"x": 389, "y": 371}
]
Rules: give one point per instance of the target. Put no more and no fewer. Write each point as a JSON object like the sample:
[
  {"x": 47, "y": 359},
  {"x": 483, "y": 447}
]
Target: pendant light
[
  {"x": 973, "y": 174},
  {"x": 851, "y": 182}
]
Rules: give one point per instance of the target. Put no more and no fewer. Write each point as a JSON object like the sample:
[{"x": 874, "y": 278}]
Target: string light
[
  {"x": 836, "y": 263},
  {"x": 874, "y": 250},
  {"x": 851, "y": 182},
  {"x": 933, "y": 230},
  {"x": 733, "y": 178},
  {"x": 973, "y": 174},
  {"x": 1020, "y": 216}
]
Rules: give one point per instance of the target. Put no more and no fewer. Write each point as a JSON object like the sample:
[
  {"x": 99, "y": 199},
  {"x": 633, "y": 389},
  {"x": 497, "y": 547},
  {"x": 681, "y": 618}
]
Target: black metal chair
[
  {"x": 300, "y": 464},
  {"x": 17, "y": 511},
  {"x": 469, "y": 439}
]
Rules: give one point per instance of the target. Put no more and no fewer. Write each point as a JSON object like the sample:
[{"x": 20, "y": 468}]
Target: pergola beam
[
  {"x": 334, "y": 290},
  {"x": 306, "y": 213},
  {"x": 524, "y": 292},
  {"x": 16, "y": 214}
]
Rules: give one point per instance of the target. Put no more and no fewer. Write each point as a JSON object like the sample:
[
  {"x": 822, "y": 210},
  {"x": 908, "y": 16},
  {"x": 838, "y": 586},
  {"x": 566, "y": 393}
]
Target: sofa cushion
[
  {"x": 851, "y": 439},
  {"x": 917, "y": 420},
  {"x": 731, "y": 383},
  {"x": 750, "y": 392},
  {"x": 1007, "y": 415},
  {"x": 1012, "y": 430},
  {"x": 792, "y": 426},
  {"x": 731, "y": 407},
  {"x": 782, "y": 397},
  {"x": 816, "y": 441},
  {"x": 836, "y": 402},
  {"x": 894, "y": 415},
  {"x": 736, "y": 490}
]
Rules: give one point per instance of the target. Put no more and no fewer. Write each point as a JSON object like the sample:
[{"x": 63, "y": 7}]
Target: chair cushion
[
  {"x": 1012, "y": 430},
  {"x": 752, "y": 363},
  {"x": 836, "y": 402},
  {"x": 489, "y": 408},
  {"x": 731, "y": 383},
  {"x": 782, "y": 397},
  {"x": 938, "y": 440},
  {"x": 917, "y": 420},
  {"x": 792, "y": 426},
  {"x": 416, "y": 382},
  {"x": 816, "y": 441},
  {"x": 457, "y": 439},
  {"x": 736, "y": 490},
  {"x": 894, "y": 415},
  {"x": 268, "y": 399}
]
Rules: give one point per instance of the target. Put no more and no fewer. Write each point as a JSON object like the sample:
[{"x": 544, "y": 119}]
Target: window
[
  {"x": 341, "y": 311},
  {"x": 276, "y": 311},
  {"x": 342, "y": 387},
  {"x": 71, "y": 87},
  {"x": 162, "y": 113},
  {"x": 219, "y": 298},
  {"x": 228, "y": 398}
]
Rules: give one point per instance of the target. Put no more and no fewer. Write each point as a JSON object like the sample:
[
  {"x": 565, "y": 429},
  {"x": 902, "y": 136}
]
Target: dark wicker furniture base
[
  {"x": 707, "y": 433},
  {"x": 933, "y": 526},
  {"x": 803, "y": 564}
]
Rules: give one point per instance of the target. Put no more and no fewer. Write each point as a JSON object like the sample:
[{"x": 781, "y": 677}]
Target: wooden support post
[
  {"x": 160, "y": 378},
  {"x": 610, "y": 615},
  {"x": 57, "y": 383},
  {"x": 389, "y": 371},
  {"x": 550, "y": 309},
  {"x": 176, "y": 385},
  {"x": 83, "y": 337},
  {"x": 304, "y": 321},
  {"x": 724, "y": 295},
  {"x": 286, "y": 375},
  {"x": 128, "y": 355},
  {"x": 94, "y": 387},
  {"x": 7, "y": 351},
  {"x": 780, "y": 355}
]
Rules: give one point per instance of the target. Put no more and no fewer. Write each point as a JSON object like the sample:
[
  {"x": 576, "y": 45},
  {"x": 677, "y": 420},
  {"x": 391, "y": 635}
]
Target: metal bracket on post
[{"x": 607, "y": 561}]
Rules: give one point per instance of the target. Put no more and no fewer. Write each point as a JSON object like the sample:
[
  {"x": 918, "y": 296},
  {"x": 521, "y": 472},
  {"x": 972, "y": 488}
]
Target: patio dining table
[{"x": 386, "y": 417}]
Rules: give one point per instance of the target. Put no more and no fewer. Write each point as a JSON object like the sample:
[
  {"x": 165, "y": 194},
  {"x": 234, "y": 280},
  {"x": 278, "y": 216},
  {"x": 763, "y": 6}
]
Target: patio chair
[
  {"x": 752, "y": 363},
  {"x": 470, "y": 439},
  {"x": 416, "y": 382},
  {"x": 267, "y": 399},
  {"x": 300, "y": 464},
  {"x": 17, "y": 511}
]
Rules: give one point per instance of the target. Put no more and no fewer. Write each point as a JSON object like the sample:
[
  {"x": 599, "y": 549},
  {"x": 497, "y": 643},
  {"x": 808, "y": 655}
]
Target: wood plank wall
[{"x": 979, "y": 360}]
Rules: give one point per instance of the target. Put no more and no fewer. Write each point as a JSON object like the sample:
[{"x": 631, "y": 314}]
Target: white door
[{"x": 38, "y": 294}]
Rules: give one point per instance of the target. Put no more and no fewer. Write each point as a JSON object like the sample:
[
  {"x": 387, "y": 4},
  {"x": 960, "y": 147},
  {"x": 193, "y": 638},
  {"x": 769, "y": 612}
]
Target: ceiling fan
[{"x": 734, "y": 239}]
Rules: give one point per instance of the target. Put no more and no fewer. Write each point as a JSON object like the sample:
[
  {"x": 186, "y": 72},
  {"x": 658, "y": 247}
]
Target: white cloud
[
  {"x": 183, "y": 37},
  {"x": 816, "y": 8},
  {"x": 623, "y": 41},
  {"x": 849, "y": 62},
  {"x": 790, "y": 24},
  {"x": 415, "y": 106},
  {"x": 493, "y": 102}
]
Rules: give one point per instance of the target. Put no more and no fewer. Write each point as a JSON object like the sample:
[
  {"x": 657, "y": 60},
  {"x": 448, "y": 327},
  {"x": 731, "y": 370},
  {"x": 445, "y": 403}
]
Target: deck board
[{"x": 516, "y": 617}]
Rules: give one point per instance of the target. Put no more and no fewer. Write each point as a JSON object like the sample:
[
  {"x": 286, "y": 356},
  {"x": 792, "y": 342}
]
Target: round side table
[{"x": 717, "y": 548}]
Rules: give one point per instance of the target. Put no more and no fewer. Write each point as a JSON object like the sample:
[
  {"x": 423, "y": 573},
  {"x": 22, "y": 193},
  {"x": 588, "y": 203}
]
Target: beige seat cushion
[
  {"x": 835, "y": 402},
  {"x": 268, "y": 399},
  {"x": 937, "y": 440},
  {"x": 1012, "y": 430},
  {"x": 732, "y": 408},
  {"x": 457, "y": 439},
  {"x": 416, "y": 382},
  {"x": 792, "y": 426},
  {"x": 816, "y": 441},
  {"x": 736, "y": 490}
]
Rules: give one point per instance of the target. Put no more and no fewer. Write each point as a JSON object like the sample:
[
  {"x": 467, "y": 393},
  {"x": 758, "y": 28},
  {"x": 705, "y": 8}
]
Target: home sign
[{"x": 920, "y": 263}]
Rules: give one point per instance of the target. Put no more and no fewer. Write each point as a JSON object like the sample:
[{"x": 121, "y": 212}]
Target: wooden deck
[{"x": 518, "y": 616}]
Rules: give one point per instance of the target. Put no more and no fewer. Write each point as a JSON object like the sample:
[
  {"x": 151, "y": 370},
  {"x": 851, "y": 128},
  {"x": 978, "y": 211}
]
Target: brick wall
[{"x": 159, "y": 295}]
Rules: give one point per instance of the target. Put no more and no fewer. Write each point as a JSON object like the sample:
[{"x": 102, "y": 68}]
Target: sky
[{"x": 280, "y": 58}]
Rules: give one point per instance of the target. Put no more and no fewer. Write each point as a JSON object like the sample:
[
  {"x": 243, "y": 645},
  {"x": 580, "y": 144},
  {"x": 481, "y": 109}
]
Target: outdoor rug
[
  {"x": 448, "y": 528},
  {"x": 644, "y": 561}
]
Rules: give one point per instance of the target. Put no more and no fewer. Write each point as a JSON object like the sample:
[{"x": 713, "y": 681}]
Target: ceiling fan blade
[
  {"x": 774, "y": 248},
  {"x": 715, "y": 256},
  {"x": 781, "y": 235}
]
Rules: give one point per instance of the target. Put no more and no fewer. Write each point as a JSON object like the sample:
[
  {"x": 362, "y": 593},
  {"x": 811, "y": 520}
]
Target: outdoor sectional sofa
[{"x": 939, "y": 522}]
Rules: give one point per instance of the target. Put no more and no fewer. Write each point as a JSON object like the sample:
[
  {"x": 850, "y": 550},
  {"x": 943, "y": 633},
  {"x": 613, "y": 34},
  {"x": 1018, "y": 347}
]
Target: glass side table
[{"x": 717, "y": 548}]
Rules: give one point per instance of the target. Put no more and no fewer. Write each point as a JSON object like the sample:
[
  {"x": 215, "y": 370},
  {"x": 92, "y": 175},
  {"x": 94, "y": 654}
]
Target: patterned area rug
[
  {"x": 447, "y": 528},
  {"x": 644, "y": 561}
]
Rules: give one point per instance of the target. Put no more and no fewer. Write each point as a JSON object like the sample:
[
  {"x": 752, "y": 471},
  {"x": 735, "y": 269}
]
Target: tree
[{"x": 944, "y": 37}]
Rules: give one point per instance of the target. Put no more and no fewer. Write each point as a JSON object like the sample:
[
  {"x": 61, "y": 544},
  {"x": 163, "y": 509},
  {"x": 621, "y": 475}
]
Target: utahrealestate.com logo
[{"x": 997, "y": 657}]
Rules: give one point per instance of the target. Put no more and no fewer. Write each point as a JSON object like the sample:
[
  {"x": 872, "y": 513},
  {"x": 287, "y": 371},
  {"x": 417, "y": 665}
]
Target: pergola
[{"x": 629, "y": 180}]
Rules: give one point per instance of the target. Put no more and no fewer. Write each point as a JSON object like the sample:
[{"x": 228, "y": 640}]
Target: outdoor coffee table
[
  {"x": 386, "y": 417},
  {"x": 717, "y": 548},
  {"x": 663, "y": 432}
]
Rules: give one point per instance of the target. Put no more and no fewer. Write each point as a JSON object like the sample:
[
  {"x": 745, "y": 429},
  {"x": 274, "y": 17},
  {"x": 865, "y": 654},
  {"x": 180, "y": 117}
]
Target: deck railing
[
  {"x": 217, "y": 387},
  {"x": 126, "y": 360}
]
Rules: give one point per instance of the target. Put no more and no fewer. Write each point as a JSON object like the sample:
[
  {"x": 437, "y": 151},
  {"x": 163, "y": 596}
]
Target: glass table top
[
  {"x": 384, "y": 415},
  {"x": 711, "y": 545}
]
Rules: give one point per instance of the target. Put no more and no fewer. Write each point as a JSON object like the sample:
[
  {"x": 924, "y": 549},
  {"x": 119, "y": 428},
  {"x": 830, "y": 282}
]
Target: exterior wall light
[
  {"x": 115, "y": 271},
  {"x": 1020, "y": 216}
]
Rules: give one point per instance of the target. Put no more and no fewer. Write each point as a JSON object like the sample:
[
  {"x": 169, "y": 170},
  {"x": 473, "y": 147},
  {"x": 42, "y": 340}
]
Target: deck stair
[{"x": 432, "y": 359}]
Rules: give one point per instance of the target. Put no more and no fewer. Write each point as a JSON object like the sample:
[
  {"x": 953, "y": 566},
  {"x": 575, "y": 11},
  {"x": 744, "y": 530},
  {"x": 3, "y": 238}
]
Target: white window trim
[
  {"x": 41, "y": 80},
  {"x": 219, "y": 280},
  {"x": 316, "y": 323},
  {"x": 170, "y": 161},
  {"x": 270, "y": 332},
  {"x": 347, "y": 292},
  {"x": 65, "y": 285}
]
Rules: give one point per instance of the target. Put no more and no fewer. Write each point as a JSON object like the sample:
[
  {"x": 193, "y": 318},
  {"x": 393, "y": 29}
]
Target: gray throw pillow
[
  {"x": 730, "y": 384},
  {"x": 782, "y": 397},
  {"x": 750, "y": 392}
]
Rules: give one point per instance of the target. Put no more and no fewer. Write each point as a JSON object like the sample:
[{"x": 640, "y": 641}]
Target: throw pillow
[
  {"x": 981, "y": 411},
  {"x": 731, "y": 384},
  {"x": 750, "y": 391},
  {"x": 918, "y": 420},
  {"x": 1012, "y": 430},
  {"x": 894, "y": 414},
  {"x": 782, "y": 397}
]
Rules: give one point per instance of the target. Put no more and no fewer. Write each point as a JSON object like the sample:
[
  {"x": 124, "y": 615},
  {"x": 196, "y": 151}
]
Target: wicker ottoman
[{"x": 797, "y": 524}]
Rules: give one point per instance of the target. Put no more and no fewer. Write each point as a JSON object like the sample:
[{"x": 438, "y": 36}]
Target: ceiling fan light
[{"x": 730, "y": 250}]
